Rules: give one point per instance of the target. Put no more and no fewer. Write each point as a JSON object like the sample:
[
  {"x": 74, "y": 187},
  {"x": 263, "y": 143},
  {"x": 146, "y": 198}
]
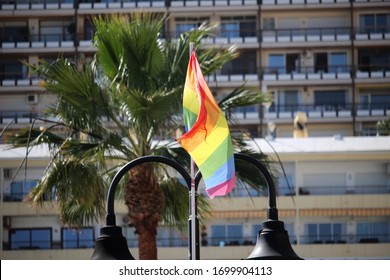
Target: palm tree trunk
[{"x": 145, "y": 201}]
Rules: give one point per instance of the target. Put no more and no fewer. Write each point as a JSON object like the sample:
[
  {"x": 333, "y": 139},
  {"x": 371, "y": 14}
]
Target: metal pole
[{"x": 193, "y": 231}]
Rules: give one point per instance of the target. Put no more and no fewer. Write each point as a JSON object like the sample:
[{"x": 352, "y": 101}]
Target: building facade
[
  {"x": 333, "y": 195},
  {"x": 329, "y": 59}
]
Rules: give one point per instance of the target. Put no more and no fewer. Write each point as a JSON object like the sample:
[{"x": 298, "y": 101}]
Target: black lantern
[{"x": 272, "y": 240}]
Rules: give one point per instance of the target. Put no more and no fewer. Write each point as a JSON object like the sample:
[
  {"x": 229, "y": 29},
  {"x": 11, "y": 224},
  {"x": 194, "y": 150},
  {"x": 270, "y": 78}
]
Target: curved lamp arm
[{"x": 110, "y": 218}]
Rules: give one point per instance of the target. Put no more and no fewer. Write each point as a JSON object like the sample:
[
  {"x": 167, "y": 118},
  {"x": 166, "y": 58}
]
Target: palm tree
[
  {"x": 383, "y": 127},
  {"x": 116, "y": 108}
]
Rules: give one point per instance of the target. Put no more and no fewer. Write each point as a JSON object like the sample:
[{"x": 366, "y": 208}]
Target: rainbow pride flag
[{"x": 207, "y": 138}]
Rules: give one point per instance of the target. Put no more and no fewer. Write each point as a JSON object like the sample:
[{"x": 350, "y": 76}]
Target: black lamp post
[
  {"x": 111, "y": 244},
  {"x": 272, "y": 240}
]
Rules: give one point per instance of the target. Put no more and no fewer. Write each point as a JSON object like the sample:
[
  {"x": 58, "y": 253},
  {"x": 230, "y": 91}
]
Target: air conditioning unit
[
  {"x": 32, "y": 99},
  {"x": 7, "y": 172}
]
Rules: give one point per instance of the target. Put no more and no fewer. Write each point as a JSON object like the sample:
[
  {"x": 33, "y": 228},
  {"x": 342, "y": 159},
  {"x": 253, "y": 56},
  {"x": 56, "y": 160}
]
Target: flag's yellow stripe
[{"x": 190, "y": 100}]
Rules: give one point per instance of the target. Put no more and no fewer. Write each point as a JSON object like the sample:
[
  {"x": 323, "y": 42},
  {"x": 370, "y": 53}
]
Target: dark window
[
  {"x": 292, "y": 62},
  {"x": 34, "y": 238},
  {"x": 20, "y": 189},
  {"x": 82, "y": 238},
  {"x": 374, "y": 59},
  {"x": 244, "y": 64},
  {"x": 321, "y": 62},
  {"x": 330, "y": 99}
]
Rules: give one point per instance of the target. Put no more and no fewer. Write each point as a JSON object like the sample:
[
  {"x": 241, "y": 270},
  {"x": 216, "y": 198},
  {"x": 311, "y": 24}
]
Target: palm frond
[
  {"x": 30, "y": 137},
  {"x": 81, "y": 103},
  {"x": 78, "y": 189}
]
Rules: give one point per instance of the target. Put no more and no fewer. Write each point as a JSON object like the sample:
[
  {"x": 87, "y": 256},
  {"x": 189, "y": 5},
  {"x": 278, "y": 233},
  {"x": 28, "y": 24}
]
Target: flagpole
[{"x": 194, "y": 224}]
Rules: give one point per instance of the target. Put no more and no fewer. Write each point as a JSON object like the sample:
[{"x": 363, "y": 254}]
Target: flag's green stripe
[
  {"x": 218, "y": 158},
  {"x": 189, "y": 118}
]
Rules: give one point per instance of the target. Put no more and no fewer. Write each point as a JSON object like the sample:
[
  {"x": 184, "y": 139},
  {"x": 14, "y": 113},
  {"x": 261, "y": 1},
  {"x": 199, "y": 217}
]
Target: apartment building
[
  {"x": 329, "y": 59},
  {"x": 333, "y": 195}
]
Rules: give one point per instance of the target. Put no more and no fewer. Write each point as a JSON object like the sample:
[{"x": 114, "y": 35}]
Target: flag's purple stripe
[{"x": 223, "y": 188}]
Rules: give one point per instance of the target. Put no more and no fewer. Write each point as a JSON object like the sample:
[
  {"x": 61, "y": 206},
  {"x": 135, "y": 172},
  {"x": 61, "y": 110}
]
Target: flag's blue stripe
[{"x": 223, "y": 174}]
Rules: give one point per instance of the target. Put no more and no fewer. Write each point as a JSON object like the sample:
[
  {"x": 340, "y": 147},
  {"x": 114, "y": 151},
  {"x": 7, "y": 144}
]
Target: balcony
[
  {"x": 302, "y": 2},
  {"x": 329, "y": 112},
  {"x": 275, "y": 4},
  {"x": 340, "y": 74},
  {"x": 46, "y": 42},
  {"x": 19, "y": 117},
  {"x": 117, "y": 4},
  {"x": 282, "y": 37},
  {"x": 375, "y": 36},
  {"x": 7, "y": 5},
  {"x": 307, "y": 75},
  {"x": 212, "y": 3},
  {"x": 373, "y": 73},
  {"x": 7, "y": 83}
]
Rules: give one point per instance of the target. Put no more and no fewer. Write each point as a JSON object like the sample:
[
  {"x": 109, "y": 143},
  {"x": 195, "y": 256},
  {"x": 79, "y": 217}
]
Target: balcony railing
[
  {"x": 210, "y": 241},
  {"x": 248, "y": 37},
  {"x": 330, "y": 72},
  {"x": 329, "y": 111},
  {"x": 344, "y": 238},
  {"x": 315, "y": 111},
  {"x": 326, "y": 190},
  {"x": 306, "y": 35},
  {"x": 342, "y": 74},
  {"x": 18, "y": 117},
  {"x": 125, "y": 4},
  {"x": 38, "y": 41},
  {"x": 36, "y": 4}
]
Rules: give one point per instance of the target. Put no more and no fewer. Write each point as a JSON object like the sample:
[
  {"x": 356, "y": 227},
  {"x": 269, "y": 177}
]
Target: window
[
  {"x": 325, "y": 232},
  {"x": 329, "y": 99},
  {"x": 289, "y": 227},
  {"x": 373, "y": 60},
  {"x": 372, "y": 231},
  {"x": 374, "y": 99},
  {"x": 330, "y": 63},
  {"x": 374, "y": 23},
  {"x": 238, "y": 26},
  {"x": 88, "y": 30},
  {"x": 53, "y": 31},
  {"x": 185, "y": 24},
  {"x": 242, "y": 190},
  {"x": 14, "y": 31},
  {"x": 288, "y": 100},
  {"x": 83, "y": 238},
  {"x": 37, "y": 238},
  {"x": 222, "y": 235},
  {"x": 269, "y": 23},
  {"x": 170, "y": 237},
  {"x": 20, "y": 189},
  {"x": 244, "y": 64},
  {"x": 338, "y": 62},
  {"x": 13, "y": 69},
  {"x": 286, "y": 184},
  {"x": 292, "y": 62},
  {"x": 276, "y": 64}
]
